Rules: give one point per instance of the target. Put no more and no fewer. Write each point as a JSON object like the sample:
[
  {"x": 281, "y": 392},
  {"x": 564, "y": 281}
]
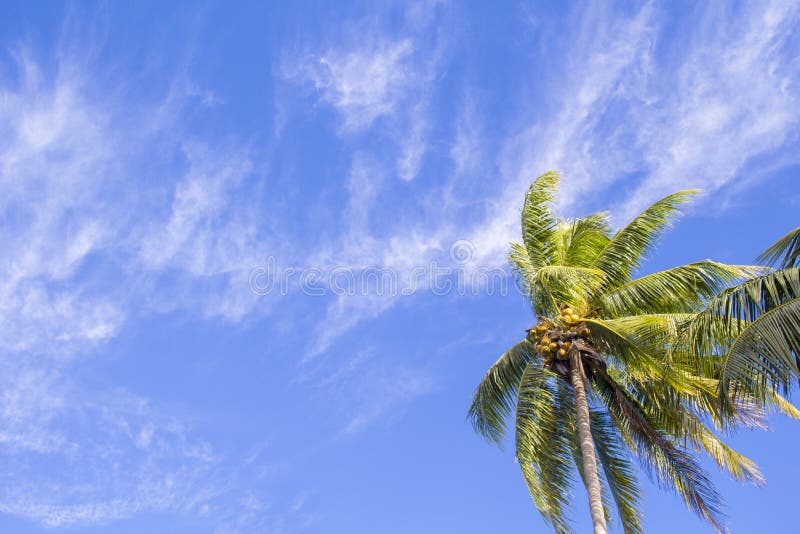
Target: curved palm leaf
[
  {"x": 496, "y": 396},
  {"x": 756, "y": 325},
  {"x": 672, "y": 467},
  {"x": 766, "y": 355},
  {"x": 542, "y": 302},
  {"x": 626, "y": 249},
  {"x": 785, "y": 252},
  {"x": 543, "y": 450},
  {"x": 578, "y": 242},
  {"x": 676, "y": 290},
  {"x": 537, "y": 222}
]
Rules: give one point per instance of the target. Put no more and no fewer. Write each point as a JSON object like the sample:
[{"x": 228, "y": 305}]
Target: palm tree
[
  {"x": 602, "y": 377},
  {"x": 749, "y": 334}
]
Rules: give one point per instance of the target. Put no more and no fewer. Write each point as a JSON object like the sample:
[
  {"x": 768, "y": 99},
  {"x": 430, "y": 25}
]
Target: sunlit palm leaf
[
  {"x": 680, "y": 289},
  {"x": 620, "y": 474},
  {"x": 568, "y": 284},
  {"x": 626, "y": 249},
  {"x": 639, "y": 361},
  {"x": 785, "y": 252},
  {"x": 672, "y": 467},
  {"x": 543, "y": 449},
  {"x": 496, "y": 396},
  {"x": 578, "y": 242},
  {"x": 543, "y": 303},
  {"x": 765, "y": 355},
  {"x": 537, "y": 222},
  {"x": 761, "y": 318}
]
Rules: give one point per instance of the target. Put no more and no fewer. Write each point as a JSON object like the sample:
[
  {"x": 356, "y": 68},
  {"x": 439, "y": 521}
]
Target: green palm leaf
[
  {"x": 496, "y": 396},
  {"x": 626, "y": 249},
  {"x": 676, "y": 290},
  {"x": 765, "y": 355},
  {"x": 537, "y": 222},
  {"x": 543, "y": 449},
  {"x": 785, "y": 252},
  {"x": 620, "y": 474},
  {"x": 578, "y": 242},
  {"x": 672, "y": 467},
  {"x": 757, "y": 327}
]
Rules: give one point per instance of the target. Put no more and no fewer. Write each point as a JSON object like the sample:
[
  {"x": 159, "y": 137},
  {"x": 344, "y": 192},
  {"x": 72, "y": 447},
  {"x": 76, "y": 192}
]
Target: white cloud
[
  {"x": 734, "y": 96},
  {"x": 83, "y": 456},
  {"x": 382, "y": 80},
  {"x": 632, "y": 102},
  {"x": 57, "y": 165},
  {"x": 364, "y": 83},
  {"x": 86, "y": 235},
  {"x": 627, "y": 101}
]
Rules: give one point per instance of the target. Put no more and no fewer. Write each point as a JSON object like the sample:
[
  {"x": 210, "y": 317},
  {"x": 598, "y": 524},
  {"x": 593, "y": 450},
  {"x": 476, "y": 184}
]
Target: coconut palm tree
[
  {"x": 602, "y": 378},
  {"x": 758, "y": 352}
]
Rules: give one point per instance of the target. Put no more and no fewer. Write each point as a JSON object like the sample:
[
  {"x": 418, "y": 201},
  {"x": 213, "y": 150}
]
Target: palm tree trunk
[{"x": 590, "y": 476}]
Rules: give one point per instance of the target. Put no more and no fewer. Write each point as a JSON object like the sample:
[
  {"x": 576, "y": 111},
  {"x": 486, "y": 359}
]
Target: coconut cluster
[{"x": 553, "y": 339}]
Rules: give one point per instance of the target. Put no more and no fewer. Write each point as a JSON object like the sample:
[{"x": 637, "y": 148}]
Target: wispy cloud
[
  {"x": 366, "y": 390},
  {"x": 380, "y": 79},
  {"x": 364, "y": 83},
  {"x": 85, "y": 234},
  {"x": 115, "y": 208},
  {"x": 635, "y": 110},
  {"x": 624, "y": 106},
  {"x": 82, "y": 456}
]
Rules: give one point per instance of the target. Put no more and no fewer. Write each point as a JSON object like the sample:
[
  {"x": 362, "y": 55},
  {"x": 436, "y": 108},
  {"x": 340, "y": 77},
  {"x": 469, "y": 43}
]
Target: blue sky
[{"x": 155, "y": 157}]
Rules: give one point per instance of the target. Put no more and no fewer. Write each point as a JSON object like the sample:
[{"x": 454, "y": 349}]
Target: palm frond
[
  {"x": 620, "y": 474},
  {"x": 537, "y": 221},
  {"x": 676, "y": 415},
  {"x": 672, "y": 467},
  {"x": 543, "y": 449},
  {"x": 549, "y": 285},
  {"x": 568, "y": 284},
  {"x": 785, "y": 252},
  {"x": 541, "y": 301},
  {"x": 676, "y": 290},
  {"x": 737, "y": 465},
  {"x": 635, "y": 354},
  {"x": 756, "y": 325},
  {"x": 496, "y": 396},
  {"x": 765, "y": 356},
  {"x": 579, "y": 241},
  {"x": 626, "y": 249}
]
